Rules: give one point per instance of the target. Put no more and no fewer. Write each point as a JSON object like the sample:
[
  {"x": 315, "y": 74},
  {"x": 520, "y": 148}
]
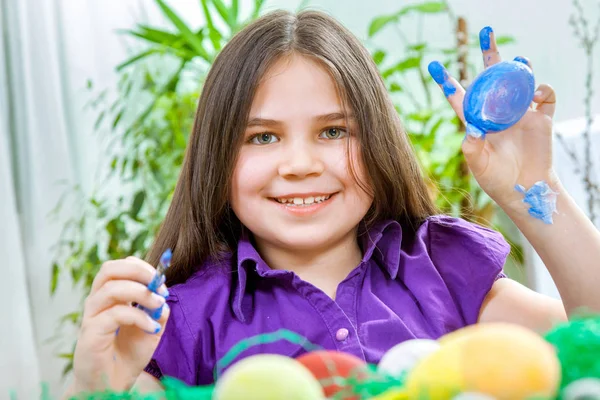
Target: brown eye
[{"x": 333, "y": 133}]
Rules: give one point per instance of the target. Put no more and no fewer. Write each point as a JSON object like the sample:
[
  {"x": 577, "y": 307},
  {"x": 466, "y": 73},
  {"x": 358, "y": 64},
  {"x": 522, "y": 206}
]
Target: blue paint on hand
[
  {"x": 498, "y": 97},
  {"x": 541, "y": 199},
  {"x": 441, "y": 77},
  {"x": 484, "y": 38}
]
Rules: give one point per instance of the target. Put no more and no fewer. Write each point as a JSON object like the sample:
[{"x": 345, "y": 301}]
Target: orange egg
[{"x": 331, "y": 368}]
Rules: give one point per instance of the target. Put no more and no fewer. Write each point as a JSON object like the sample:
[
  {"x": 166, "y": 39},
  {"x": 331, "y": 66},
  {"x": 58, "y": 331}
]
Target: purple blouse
[{"x": 422, "y": 286}]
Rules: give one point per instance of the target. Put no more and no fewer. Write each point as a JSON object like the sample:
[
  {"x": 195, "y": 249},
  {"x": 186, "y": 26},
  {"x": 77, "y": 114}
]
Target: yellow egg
[
  {"x": 502, "y": 360},
  {"x": 268, "y": 377}
]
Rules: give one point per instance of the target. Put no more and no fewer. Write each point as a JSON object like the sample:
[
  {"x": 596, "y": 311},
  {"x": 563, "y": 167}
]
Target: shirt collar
[{"x": 381, "y": 242}]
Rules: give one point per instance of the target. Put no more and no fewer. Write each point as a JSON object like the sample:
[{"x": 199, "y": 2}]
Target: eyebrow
[{"x": 335, "y": 116}]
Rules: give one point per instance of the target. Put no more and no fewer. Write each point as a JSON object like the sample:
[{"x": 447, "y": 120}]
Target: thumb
[{"x": 472, "y": 148}]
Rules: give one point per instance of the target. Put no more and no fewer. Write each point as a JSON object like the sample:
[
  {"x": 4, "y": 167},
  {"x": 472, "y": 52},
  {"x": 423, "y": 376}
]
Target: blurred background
[{"x": 97, "y": 99}]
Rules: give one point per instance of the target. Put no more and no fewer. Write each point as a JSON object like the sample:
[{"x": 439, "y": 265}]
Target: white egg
[
  {"x": 404, "y": 356},
  {"x": 582, "y": 389}
]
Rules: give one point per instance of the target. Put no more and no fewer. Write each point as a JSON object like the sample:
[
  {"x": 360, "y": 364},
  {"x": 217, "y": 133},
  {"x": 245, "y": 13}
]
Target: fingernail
[
  {"x": 523, "y": 60},
  {"x": 537, "y": 93},
  {"x": 156, "y": 313},
  {"x": 438, "y": 72},
  {"x": 484, "y": 38},
  {"x": 163, "y": 291},
  {"x": 440, "y": 75},
  {"x": 158, "y": 298},
  {"x": 155, "y": 282},
  {"x": 155, "y": 327}
]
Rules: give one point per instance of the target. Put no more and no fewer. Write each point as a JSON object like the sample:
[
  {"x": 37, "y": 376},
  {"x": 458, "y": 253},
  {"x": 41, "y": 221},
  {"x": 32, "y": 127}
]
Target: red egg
[{"x": 331, "y": 368}]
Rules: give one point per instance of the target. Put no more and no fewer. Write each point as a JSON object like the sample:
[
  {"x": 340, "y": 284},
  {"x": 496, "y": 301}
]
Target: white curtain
[{"x": 49, "y": 51}]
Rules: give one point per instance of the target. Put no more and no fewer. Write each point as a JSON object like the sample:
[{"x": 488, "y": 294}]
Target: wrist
[{"x": 514, "y": 201}]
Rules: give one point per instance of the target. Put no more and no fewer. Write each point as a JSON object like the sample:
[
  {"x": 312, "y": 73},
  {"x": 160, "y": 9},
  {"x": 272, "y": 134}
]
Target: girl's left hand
[{"x": 520, "y": 155}]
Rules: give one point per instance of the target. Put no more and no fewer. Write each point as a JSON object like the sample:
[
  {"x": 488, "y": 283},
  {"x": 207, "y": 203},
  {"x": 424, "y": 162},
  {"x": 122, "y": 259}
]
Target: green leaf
[
  {"x": 258, "y": 4},
  {"x": 378, "y": 56},
  {"x": 213, "y": 34},
  {"x": 54, "y": 278},
  {"x": 66, "y": 356},
  {"x": 234, "y": 11},
  {"x": 99, "y": 120},
  {"x": 223, "y": 11},
  {"x": 418, "y": 47},
  {"x": 135, "y": 59},
  {"x": 431, "y": 7},
  {"x": 381, "y": 22},
  {"x": 394, "y": 87},
  {"x": 412, "y": 62},
  {"x": 138, "y": 201},
  {"x": 503, "y": 40},
  {"x": 186, "y": 32},
  {"x": 137, "y": 245},
  {"x": 76, "y": 274},
  {"x": 117, "y": 118},
  {"x": 155, "y": 35},
  {"x": 72, "y": 317}
]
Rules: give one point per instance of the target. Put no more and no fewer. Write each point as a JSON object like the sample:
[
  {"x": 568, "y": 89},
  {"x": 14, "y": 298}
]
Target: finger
[
  {"x": 473, "y": 150},
  {"x": 121, "y": 292},
  {"x": 524, "y": 60},
  {"x": 527, "y": 62},
  {"x": 131, "y": 268},
  {"x": 111, "y": 319},
  {"x": 545, "y": 98},
  {"x": 489, "y": 48},
  {"x": 453, "y": 91}
]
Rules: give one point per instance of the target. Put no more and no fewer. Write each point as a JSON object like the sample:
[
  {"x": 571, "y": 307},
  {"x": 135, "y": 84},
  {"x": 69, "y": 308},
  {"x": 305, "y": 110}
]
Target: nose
[{"x": 301, "y": 160}]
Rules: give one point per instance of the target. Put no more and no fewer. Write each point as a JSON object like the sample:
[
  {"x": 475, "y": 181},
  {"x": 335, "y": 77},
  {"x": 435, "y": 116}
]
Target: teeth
[{"x": 298, "y": 201}]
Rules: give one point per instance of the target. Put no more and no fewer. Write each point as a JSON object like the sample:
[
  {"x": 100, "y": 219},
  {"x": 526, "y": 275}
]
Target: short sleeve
[
  {"x": 469, "y": 258},
  {"x": 175, "y": 354}
]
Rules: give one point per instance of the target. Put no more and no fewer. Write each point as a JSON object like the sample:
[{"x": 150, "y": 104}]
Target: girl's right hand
[{"x": 117, "y": 340}]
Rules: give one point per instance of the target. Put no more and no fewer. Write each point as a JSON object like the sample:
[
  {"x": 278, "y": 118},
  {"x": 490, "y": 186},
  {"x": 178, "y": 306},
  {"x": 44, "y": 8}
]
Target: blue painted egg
[{"x": 498, "y": 97}]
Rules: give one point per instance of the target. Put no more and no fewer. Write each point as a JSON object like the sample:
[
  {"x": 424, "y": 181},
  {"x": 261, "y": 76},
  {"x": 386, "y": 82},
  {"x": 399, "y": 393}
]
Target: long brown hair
[{"x": 199, "y": 223}]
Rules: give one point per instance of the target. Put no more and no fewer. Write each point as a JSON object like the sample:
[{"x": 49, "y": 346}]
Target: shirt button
[{"x": 341, "y": 334}]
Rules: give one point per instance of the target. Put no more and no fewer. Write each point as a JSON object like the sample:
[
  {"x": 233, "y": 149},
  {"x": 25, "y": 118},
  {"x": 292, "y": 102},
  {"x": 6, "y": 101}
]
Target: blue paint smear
[
  {"x": 542, "y": 200},
  {"x": 441, "y": 77},
  {"x": 498, "y": 97},
  {"x": 484, "y": 38}
]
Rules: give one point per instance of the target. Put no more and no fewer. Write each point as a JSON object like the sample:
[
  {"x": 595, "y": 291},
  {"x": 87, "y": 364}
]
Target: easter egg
[
  {"x": 268, "y": 377},
  {"x": 498, "y": 97},
  {"x": 403, "y": 357},
  {"x": 582, "y": 389},
  {"x": 504, "y": 361},
  {"x": 331, "y": 368}
]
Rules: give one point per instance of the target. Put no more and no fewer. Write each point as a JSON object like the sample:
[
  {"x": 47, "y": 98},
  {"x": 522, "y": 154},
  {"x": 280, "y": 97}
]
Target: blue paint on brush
[
  {"x": 484, "y": 38},
  {"x": 541, "y": 199},
  {"x": 163, "y": 265},
  {"x": 441, "y": 77},
  {"x": 498, "y": 98}
]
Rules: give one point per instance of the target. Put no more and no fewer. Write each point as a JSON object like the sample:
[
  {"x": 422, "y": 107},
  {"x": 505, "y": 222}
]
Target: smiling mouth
[{"x": 302, "y": 201}]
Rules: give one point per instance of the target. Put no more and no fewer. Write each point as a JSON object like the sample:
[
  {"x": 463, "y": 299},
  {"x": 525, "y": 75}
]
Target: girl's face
[{"x": 292, "y": 183}]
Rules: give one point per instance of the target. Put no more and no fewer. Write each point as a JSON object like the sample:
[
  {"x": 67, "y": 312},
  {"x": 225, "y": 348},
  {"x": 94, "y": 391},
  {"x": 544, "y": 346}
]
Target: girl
[{"x": 300, "y": 205}]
